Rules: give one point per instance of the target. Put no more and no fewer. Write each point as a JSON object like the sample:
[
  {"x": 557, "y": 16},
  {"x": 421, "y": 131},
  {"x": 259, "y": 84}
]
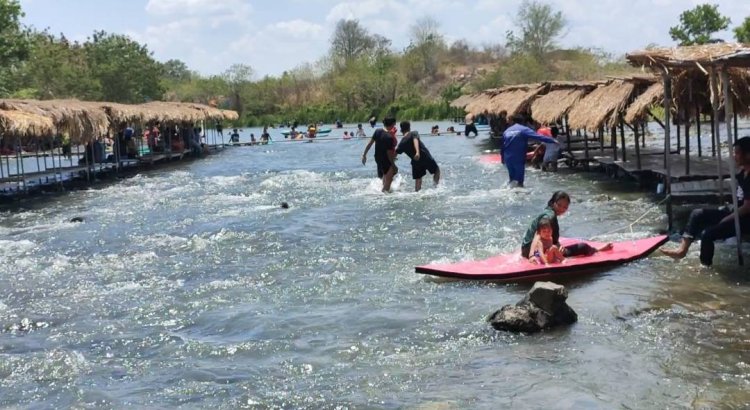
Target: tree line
[{"x": 360, "y": 76}]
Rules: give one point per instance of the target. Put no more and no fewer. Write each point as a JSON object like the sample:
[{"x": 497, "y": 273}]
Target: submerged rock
[
  {"x": 543, "y": 307},
  {"x": 76, "y": 219}
]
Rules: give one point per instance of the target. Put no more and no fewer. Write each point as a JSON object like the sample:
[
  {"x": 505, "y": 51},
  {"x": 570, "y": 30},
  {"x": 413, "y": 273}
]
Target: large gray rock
[{"x": 543, "y": 307}]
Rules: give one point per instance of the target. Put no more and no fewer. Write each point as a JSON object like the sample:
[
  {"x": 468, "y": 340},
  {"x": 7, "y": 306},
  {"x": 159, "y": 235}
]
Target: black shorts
[
  {"x": 384, "y": 164},
  {"x": 420, "y": 168}
]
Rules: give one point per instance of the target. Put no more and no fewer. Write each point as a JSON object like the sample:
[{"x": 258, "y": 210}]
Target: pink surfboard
[
  {"x": 496, "y": 159},
  {"x": 513, "y": 267}
]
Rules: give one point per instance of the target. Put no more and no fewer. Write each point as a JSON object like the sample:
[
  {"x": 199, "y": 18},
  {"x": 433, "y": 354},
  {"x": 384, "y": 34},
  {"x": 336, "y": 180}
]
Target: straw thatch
[
  {"x": 23, "y": 124},
  {"x": 463, "y": 100},
  {"x": 601, "y": 107},
  {"x": 230, "y": 115},
  {"x": 551, "y": 107},
  {"x": 81, "y": 120},
  {"x": 638, "y": 111},
  {"x": 516, "y": 99},
  {"x": 480, "y": 102},
  {"x": 700, "y": 56}
]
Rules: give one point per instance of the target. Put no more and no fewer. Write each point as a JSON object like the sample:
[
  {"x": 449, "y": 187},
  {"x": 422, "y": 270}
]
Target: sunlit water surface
[{"x": 190, "y": 286}]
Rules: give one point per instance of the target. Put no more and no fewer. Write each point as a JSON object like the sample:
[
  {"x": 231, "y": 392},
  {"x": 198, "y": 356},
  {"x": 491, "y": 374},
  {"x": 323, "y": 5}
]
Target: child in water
[{"x": 543, "y": 250}]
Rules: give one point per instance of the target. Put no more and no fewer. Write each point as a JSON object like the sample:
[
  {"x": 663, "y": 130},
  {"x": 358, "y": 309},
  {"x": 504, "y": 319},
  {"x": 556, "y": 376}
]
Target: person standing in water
[
  {"x": 385, "y": 152},
  {"x": 421, "y": 159},
  {"x": 515, "y": 144}
]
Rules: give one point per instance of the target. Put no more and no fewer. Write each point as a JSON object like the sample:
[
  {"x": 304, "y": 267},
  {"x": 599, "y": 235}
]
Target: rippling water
[{"x": 190, "y": 286}]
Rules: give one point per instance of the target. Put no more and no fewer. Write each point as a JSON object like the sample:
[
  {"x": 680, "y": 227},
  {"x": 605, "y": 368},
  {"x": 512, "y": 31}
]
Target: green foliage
[
  {"x": 539, "y": 26},
  {"x": 125, "y": 70},
  {"x": 742, "y": 32},
  {"x": 13, "y": 42},
  {"x": 698, "y": 24}
]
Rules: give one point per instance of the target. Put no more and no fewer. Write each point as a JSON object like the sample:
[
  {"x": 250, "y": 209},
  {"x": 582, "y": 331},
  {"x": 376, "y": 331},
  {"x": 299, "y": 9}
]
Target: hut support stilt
[
  {"x": 667, "y": 163},
  {"x": 637, "y": 148},
  {"x": 622, "y": 140},
  {"x": 729, "y": 112},
  {"x": 687, "y": 144},
  {"x": 715, "y": 141}
]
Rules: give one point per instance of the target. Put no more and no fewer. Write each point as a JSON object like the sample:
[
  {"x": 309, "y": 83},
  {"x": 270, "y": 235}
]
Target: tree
[
  {"x": 427, "y": 45},
  {"x": 698, "y": 24},
  {"x": 539, "y": 25},
  {"x": 238, "y": 78},
  {"x": 351, "y": 41},
  {"x": 176, "y": 70},
  {"x": 742, "y": 32},
  {"x": 126, "y": 71},
  {"x": 13, "y": 42}
]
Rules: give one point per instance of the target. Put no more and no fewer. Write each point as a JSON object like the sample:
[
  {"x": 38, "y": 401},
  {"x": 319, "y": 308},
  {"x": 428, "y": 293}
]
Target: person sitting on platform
[{"x": 712, "y": 224}]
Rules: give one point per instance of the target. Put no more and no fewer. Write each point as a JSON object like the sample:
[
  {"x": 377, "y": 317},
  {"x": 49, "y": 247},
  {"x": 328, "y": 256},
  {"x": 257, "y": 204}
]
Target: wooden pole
[
  {"x": 667, "y": 163},
  {"x": 713, "y": 119},
  {"x": 735, "y": 127},
  {"x": 567, "y": 131},
  {"x": 637, "y": 148},
  {"x": 622, "y": 139},
  {"x": 677, "y": 125},
  {"x": 586, "y": 146},
  {"x": 601, "y": 140},
  {"x": 612, "y": 140},
  {"x": 687, "y": 143},
  {"x": 729, "y": 113},
  {"x": 643, "y": 135},
  {"x": 698, "y": 129},
  {"x": 715, "y": 102}
]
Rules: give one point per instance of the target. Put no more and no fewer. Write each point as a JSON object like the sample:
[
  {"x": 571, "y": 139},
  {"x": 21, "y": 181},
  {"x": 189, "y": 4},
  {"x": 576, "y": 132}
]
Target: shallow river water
[{"x": 190, "y": 286}]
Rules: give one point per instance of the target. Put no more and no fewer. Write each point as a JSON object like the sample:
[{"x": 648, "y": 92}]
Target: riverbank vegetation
[{"x": 361, "y": 75}]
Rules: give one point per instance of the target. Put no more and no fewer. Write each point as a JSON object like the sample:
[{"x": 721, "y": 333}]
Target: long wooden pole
[
  {"x": 622, "y": 139},
  {"x": 667, "y": 163},
  {"x": 715, "y": 140},
  {"x": 637, "y": 148},
  {"x": 729, "y": 113},
  {"x": 698, "y": 129}
]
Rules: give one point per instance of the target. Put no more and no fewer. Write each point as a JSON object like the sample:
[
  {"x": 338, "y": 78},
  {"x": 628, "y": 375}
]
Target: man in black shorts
[
  {"x": 385, "y": 152},
  {"x": 421, "y": 159}
]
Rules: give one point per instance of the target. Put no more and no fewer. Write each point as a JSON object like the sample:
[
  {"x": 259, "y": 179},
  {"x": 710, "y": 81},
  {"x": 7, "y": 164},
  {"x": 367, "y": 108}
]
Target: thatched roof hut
[
  {"x": 82, "y": 120},
  {"x": 638, "y": 111},
  {"x": 515, "y": 99},
  {"x": 690, "y": 67},
  {"x": 463, "y": 100},
  {"x": 597, "y": 108},
  {"x": 230, "y": 115},
  {"x": 23, "y": 124},
  {"x": 479, "y": 104},
  {"x": 551, "y": 107}
]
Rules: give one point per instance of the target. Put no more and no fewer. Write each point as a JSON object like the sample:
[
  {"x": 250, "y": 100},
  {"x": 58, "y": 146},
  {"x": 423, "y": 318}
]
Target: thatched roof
[
  {"x": 551, "y": 107},
  {"x": 601, "y": 106},
  {"x": 23, "y": 124},
  {"x": 463, "y": 100},
  {"x": 479, "y": 103},
  {"x": 638, "y": 110},
  {"x": 515, "y": 99},
  {"x": 85, "y": 120},
  {"x": 700, "y": 56},
  {"x": 230, "y": 115},
  {"x": 82, "y": 120}
]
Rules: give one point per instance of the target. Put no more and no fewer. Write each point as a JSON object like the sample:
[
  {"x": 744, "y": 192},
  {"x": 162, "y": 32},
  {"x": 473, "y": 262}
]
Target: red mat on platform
[{"x": 512, "y": 267}]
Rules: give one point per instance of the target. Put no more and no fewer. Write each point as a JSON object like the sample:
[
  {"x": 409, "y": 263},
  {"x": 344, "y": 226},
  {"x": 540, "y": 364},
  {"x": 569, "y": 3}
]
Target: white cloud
[{"x": 197, "y": 7}]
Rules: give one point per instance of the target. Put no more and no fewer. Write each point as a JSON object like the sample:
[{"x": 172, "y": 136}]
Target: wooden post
[
  {"x": 735, "y": 128},
  {"x": 729, "y": 113},
  {"x": 713, "y": 119},
  {"x": 637, "y": 148},
  {"x": 715, "y": 103},
  {"x": 643, "y": 135},
  {"x": 622, "y": 139},
  {"x": 679, "y": 139},
  {"x": 698, "y": 129},
  {"x": 601, "y": 140},
  {"x": 667, "y": 163},
  {"x": 612, "y": 140},
  {"x": 586, "y": 146},
  {"x": 687, "y": 143},
  {"x": 567, "y": 131}
]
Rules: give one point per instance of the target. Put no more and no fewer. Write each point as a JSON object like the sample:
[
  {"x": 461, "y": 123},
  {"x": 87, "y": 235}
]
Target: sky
[{"x": 277, "y": 35}]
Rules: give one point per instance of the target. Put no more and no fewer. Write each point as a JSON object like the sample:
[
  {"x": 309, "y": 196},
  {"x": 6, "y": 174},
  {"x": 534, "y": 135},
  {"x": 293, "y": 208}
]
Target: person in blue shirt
[{"x": 515, "y": 143}]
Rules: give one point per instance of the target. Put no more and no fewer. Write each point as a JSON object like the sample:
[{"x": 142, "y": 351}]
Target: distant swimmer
[
  {"x": 284, "y": 205},
  {"x": 360, "y": 132},
  {"x": 373, "y": 121},
  {"x": 76, "y": 219}
]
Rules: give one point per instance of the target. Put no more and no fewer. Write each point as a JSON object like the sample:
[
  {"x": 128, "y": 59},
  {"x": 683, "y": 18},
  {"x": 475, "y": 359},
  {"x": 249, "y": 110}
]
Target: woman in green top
[{"x": 556, "y": 206}]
